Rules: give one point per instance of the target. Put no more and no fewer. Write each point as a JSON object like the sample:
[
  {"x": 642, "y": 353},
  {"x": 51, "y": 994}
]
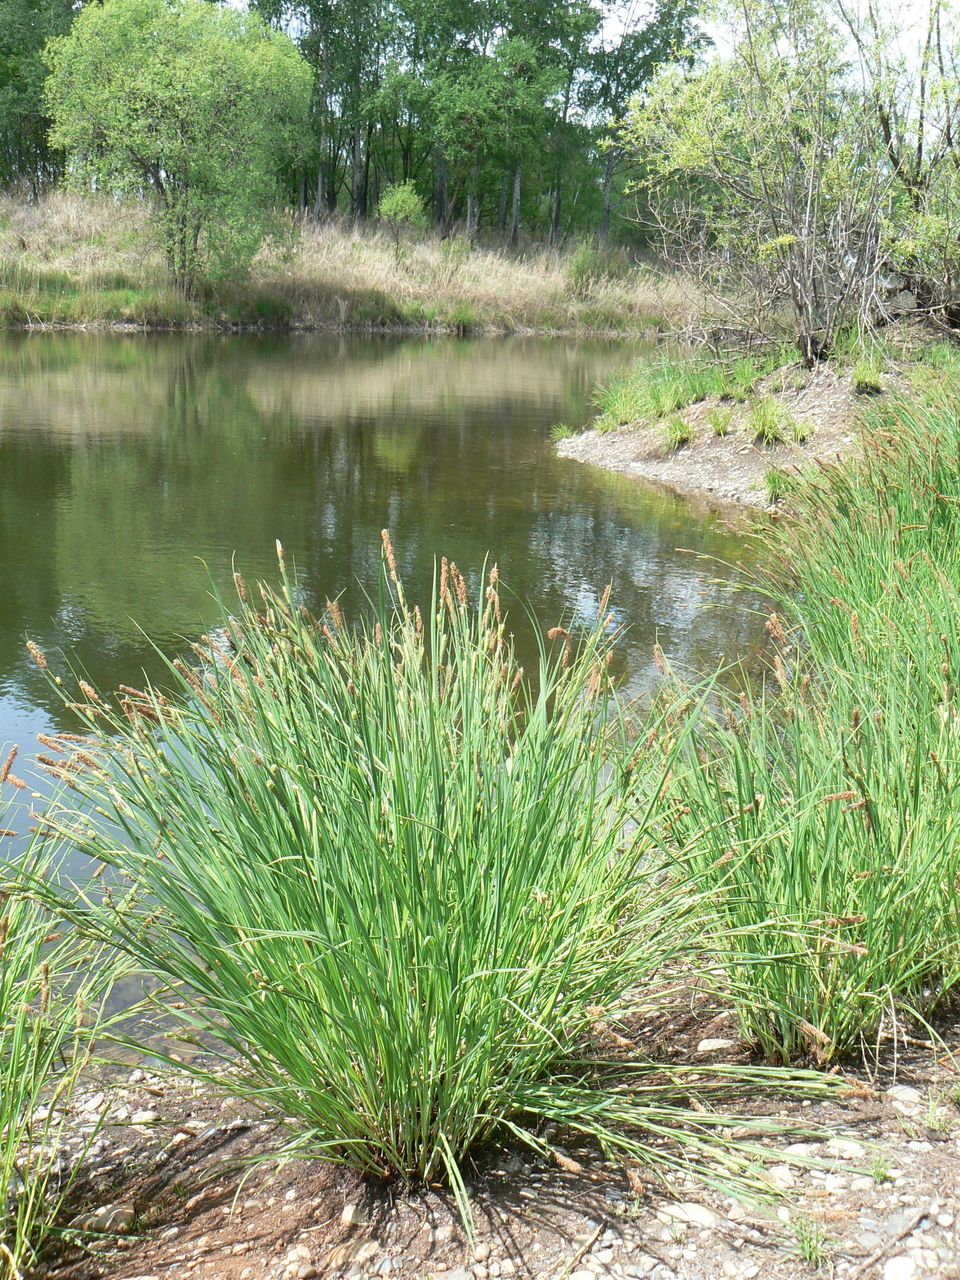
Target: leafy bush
[
  {"x": 401, "y": 208},
  {"x": 397, "y": 881}
]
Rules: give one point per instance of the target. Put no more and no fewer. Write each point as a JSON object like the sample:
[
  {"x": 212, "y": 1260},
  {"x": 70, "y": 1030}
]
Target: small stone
[
  {"x": 367, "y": 1252},
  {"x": 687, "y": 1211},
  {"x": 908, "y": 1096},
  {"x": 458, "y": 1273},
  {"x": 844, "y": 1149},
  {"x": 109, "y": 1219},
  {"x": 482, "y": 1252},
  {"x": 145, "y": 1117},
  {"x": 781, "y": 1176},
  {"x": 290, "y": 1195},
  {"x": 307, "y": 1271},
  {"x": 171, "y": 1233},
  {"x": 603, "y": 1256},
  {"x": 900, "y": 1268},
  {"x": 714, "y": 1046},
  {"x": 351, "y": 1215},
  {"x": 944, "y": 1219},
  {"x": 583, "y": 1274}
]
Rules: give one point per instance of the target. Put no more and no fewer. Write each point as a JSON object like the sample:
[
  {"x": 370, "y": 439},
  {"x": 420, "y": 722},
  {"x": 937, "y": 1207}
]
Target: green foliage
[
  {"x": 561, "y": 431},
  {"x": 811, "y": 1243},
  {"x": 50, "y": 988},
  {"x": 820, "y": 817},
  {"x": 25, "y": 27},
  {"x": 777, "y": 484},
  {"x": 676, "y": 433},
  {"x": 201, "y": 114},
  {"x": 720, "y": 421},
  {"x": 766, "y": 421},
  {"x": 402, "y": 209},
  {"x": 867, "y": 380},
  {"x": 398, "y": 881}
]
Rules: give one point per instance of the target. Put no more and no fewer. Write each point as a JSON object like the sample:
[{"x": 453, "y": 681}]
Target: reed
[
  {"x": 397, "y": 885},
  {"x": 51, "y": 989},
  {"x": 820, "y": 816}
]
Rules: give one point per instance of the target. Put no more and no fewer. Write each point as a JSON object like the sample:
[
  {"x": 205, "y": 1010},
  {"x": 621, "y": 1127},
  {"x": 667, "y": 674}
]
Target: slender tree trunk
[
  {"x": 612, "y": 158},
  {"x": 321, "y": 200},
  {"x": 356, "y": 176},
  {"x": 515, "y": 219},
  {"x": 504, "y": 197},
  {"x": 472, "y": 207},
  {"x": 556, "y": 201},
  {"x": 442, "y": 191},
  {"x": 302, "y": 194}
]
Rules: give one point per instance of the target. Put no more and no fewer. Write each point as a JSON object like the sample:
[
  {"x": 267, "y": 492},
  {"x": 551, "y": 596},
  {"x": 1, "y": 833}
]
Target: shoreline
[
  {"x": 731, "y": 470},
  {"x": 171, "y": 1186}
]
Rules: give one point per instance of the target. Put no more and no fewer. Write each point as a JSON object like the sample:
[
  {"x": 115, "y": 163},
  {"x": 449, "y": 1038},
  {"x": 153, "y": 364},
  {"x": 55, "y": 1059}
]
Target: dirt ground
[
  {"x": 732, "y": 469},
  {"x": 172, "y": 1187}
]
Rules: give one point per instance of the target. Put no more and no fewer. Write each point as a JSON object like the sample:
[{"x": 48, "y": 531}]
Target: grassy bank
[
  {"x": 410, "y": 895},
  {"x": 72, "y": 261}
]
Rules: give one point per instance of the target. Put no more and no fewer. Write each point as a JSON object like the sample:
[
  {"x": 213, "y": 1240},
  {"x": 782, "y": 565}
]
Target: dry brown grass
[{"x": 76, "y": 260}]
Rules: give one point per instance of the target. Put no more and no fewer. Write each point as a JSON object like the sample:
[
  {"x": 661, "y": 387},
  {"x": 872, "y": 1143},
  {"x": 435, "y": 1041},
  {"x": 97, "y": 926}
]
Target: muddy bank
[
  {"x": 733, "y": 468},
  {"x": 870, "y": 1193}
]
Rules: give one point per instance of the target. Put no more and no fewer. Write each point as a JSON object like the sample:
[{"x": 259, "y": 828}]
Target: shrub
[
  {"x": 401, "y": 208},
  {"x": 397, "y": 881},
  {"x": 139, "y": 113}
]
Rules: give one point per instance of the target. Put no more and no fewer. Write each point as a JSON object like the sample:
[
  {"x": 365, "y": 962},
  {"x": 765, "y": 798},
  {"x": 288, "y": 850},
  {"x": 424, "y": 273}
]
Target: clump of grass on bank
[
  {"x": 676, "y": 433},
  {"x": 50, "y": 989},
  {"x": 820, "y": 816},
  {"x": 393, "y": 878},
  {"x": 73, "y": 260},
  {"x": 658, "y": 388}
]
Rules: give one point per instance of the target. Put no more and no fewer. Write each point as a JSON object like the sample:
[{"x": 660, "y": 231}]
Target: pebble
[
  {"x": 908, "y": 1096},
  {"x": 145, "y": 1117},
  {"x": 482, "y": 1252},
  {"x": 714, "y": 1046},
  {"x": 844, "y": 1149},
  {"x": 582, "y": 1274},
  {"x": 351, "y": 1215},
  {"x": 901, "y": 1267},
  {"x": 687, "y": 1211},
  {"x": 109, "y": 1219},
  {"x": 781, "y": 1176}
]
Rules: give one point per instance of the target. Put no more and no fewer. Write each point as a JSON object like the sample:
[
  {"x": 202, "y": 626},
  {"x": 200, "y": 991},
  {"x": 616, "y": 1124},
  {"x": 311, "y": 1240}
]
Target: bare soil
[
  {"x": 733, "y": 468},
  {"x": 172, "y": 1165}
]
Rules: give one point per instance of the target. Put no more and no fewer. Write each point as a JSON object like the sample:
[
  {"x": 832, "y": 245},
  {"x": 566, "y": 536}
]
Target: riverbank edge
[{"x": 734, "y": 471}]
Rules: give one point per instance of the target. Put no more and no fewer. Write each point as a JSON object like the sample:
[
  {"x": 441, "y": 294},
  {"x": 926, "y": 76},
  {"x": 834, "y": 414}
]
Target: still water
[{"x": 134, "y": 470}]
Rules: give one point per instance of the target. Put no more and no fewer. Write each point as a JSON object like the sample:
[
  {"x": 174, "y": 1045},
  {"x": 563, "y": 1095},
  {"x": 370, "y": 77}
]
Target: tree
[
  {"x": 401, "y": 208},
  {"x": 194, "y": 104},
  {"x": 764, "y": 175},
  {"x": 25, "y": 27}
]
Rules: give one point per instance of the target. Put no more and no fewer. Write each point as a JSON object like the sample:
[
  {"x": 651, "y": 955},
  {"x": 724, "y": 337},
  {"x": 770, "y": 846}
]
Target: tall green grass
[
  {"x": 821, "y": 818},
  {"x": 659, "y": 387},
  {"x": 51, "y": 988},
  {"x": 400, "y": 885}
]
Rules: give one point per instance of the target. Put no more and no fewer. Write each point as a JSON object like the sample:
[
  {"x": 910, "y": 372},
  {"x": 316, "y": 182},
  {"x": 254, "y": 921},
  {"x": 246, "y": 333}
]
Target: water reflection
[{"x": 133, "y": 469}]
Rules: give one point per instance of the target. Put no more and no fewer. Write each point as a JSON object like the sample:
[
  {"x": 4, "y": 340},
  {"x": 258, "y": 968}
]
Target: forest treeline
[{"x": 502, "y": 114}]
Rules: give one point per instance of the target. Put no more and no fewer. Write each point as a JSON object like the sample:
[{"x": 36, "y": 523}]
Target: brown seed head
[{"x": 37, "y": 654}]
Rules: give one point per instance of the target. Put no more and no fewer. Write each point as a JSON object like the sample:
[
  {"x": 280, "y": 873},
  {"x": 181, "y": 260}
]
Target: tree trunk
[
  {"x": 322, "y": 198},
  {"x": 356, "y": 177},
  {"x": 442, "y": 191},
  {"x": 504, "y": 196},
  {"x": 612, "y": 157},
  {"x": 556, "y": 201},
  {"x": 471, "y": 207},
  {"x": 515, "y": 219}
]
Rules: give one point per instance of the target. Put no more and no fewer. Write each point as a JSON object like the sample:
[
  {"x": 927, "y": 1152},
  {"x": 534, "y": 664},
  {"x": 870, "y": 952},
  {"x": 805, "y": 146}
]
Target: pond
[{"x": 134, "y": 470}]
